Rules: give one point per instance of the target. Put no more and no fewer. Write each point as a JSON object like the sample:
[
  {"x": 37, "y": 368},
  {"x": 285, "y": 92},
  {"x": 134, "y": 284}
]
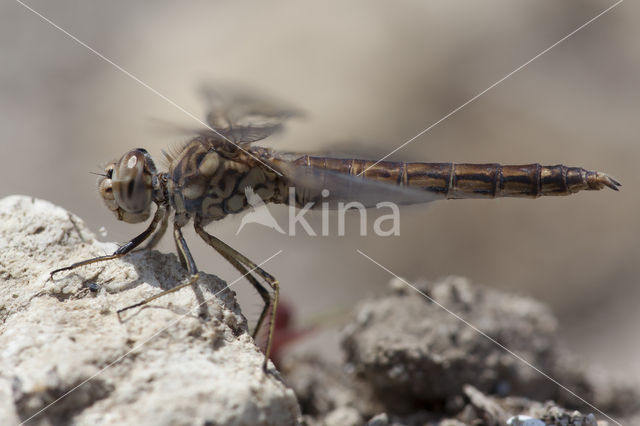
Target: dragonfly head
[{"x": 127, "y": 188}]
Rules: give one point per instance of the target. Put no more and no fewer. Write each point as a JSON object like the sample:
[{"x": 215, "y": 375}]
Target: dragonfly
[{"x": 209, "y": 175}]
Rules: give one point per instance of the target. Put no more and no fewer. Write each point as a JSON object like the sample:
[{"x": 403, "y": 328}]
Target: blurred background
[{"x": 369, "y": 75}]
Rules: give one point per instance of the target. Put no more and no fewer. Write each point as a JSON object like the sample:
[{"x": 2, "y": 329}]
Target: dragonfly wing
[
  {"x": 310, "y": 182},
  {"x": 238, "y": 135},
  {"x": 242, "y": 115},
  {"x": 244, "y": 134}
]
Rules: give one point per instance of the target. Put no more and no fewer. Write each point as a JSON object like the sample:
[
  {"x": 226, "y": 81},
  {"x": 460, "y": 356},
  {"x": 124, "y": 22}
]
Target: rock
[
  {"x": 66, "y": 358},
  {"x": 322, "y": 387},
  {"x": 410, "y": 362},
  {"x": 489, "y": 409},
  {"x": 412, "y": 351},
  {"x": 343, "y": 416},
  {"x": 381, "y": 419}
]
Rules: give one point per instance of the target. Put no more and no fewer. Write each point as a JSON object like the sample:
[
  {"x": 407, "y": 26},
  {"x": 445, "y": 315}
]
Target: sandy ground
[{"x": 370, "y": 76}]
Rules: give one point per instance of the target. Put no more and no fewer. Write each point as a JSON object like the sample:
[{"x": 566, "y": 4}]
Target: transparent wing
[
  {"x": 243, "y": 115},
  {"x": 309, "y": 183},
  {"x": 237, "y": 134}
]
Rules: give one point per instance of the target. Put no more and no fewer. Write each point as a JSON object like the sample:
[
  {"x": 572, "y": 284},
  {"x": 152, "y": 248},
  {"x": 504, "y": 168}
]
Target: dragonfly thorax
[
  {"x": 127, "y": 187},
  {"x": 206, "y": 182}
]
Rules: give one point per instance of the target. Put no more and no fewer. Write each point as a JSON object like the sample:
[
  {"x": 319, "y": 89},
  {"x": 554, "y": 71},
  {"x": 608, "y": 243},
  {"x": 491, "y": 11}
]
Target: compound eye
[
  {"x": 109, "y": 170},
  {"x": 131, "y": 182}
]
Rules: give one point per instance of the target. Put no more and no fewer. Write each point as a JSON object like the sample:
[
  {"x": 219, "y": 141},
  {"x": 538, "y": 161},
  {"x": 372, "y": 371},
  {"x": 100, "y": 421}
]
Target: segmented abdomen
[{"x": 453, "y": 180}]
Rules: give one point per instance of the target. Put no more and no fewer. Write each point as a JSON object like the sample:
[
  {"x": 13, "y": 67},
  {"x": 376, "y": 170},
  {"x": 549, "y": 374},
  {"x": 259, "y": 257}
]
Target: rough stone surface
[
  {"x": 407, "y": 361},
  {"x": 412, "y": 351},
  {"x": 383, "y": 344},
  {"x": 65, "y": 358}
]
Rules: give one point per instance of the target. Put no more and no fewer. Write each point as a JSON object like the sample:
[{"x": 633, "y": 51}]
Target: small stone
[
  {"x": 343, "y": 416},
  {"x": 381, "y": 419}
]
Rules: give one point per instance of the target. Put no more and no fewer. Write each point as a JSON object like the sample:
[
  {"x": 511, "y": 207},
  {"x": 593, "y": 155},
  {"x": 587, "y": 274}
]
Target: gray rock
[
  {"x": 410, "y": 362},
  {"x": 412, "y": 351},
  {"x": 65, "y": 358},
  {"x": 343, "y": 416},
  {"x": 381, "y": 419}
]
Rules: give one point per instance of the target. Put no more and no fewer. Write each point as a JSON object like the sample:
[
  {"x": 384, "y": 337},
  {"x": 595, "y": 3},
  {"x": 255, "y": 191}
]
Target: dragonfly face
[{"x": 127, "y": 187}]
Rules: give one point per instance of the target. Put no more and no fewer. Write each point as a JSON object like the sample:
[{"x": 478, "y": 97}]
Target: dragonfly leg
[
  {"x": 183, "y": 252},
  {"x": 181, "y": 257},
  {"x": 155, "y": 239},
  {"x": 160, "y": 214},
  {"x": 246, "y": 266},
  {"x": 262, "y": 291}
]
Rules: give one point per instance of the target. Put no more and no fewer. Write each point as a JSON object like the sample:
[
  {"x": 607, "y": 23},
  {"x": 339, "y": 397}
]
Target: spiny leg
[
  {"x": 181, "y": 257},
  {"x": 262, "y": 291},
  {"x": 160, "y": 214},
  {"x": 228, "y": 252},
  {"x": 183, "y": 253},
  {"x": 155, "y": 239}
]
